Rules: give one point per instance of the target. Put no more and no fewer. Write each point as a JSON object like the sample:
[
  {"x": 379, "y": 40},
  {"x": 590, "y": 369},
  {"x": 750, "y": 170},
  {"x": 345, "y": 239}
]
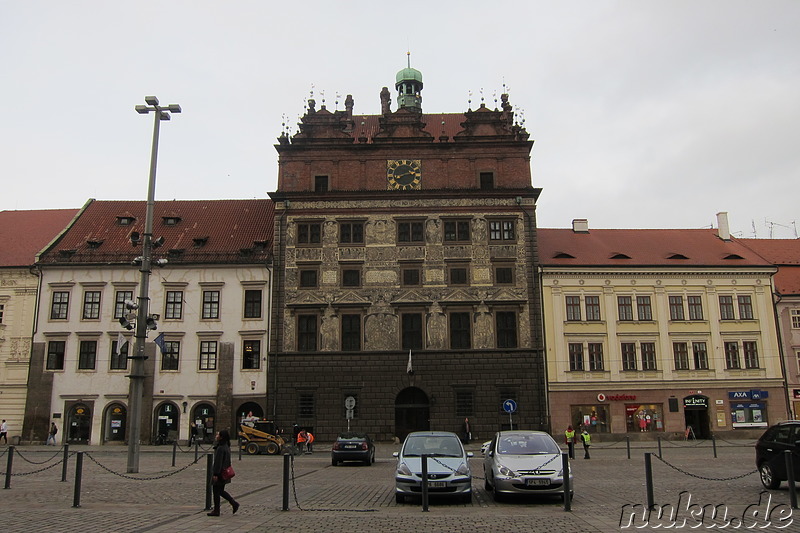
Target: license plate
[
  {"x": 537, "y": 482},
  {"x": 437, "y": 484},
  {"x": 350, "y": 446}
]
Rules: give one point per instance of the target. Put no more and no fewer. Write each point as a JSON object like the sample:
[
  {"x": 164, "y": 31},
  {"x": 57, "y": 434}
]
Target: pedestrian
[
  {"x": 467, "y": 431},
  {"x": 4, "y": 431},
  {"x": 222, "y": 461},
  {"x": 569, "y": 438},
  {"x": 302, "y": 438},
  {"x": 587, "y": 441},
  {"x": 51, "y": 435},
  {"x": 309, "y": 442}
]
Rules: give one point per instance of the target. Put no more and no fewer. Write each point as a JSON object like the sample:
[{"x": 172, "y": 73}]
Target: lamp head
[{"x": 151, "y": 100}]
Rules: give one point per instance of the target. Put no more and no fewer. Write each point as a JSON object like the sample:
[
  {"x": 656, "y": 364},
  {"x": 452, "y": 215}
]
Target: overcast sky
[{"x": 644, "y": 114}]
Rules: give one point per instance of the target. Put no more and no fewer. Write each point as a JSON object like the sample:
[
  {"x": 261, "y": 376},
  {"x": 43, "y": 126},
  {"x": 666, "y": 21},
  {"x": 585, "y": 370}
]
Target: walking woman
[{"x": 222, "y": 460}]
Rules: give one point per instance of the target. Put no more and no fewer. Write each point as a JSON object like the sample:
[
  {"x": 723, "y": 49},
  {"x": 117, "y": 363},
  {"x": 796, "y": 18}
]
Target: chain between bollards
[
  {"x": 424, "y": 460},
  {"x": 76, "y": 493},
  {"x": 648, "y": 475},
  {"x": 567, "y": 485}
]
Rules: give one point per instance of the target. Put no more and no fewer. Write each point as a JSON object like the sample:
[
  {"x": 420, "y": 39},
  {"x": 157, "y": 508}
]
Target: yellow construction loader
[{"x": 260, "y": 436}]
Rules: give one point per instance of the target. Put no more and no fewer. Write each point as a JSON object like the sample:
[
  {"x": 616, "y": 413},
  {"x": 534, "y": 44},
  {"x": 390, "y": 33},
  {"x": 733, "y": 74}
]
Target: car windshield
[
  {"x": 351, "y": 436},
  {"x": 439, "y": 446},
  {"x": 526, "y": 445}
]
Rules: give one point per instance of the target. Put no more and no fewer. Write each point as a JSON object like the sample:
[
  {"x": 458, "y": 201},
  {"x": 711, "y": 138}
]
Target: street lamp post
[{"x": 137, "y": 365}]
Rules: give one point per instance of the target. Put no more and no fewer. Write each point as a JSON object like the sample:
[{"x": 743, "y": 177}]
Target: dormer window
[
  {"x": 94, "y": 243},
  {"x": 677, "y": 256},
  {"x": 563, "y": 255},
  {"x": 620, "y": 256},
  {"x": 125, "y": 221},
  {"x": 171, "y": 220},
  {"x": 734, "y": 256},
  {"x": 260, "y": 246},
  {"x": 200, "y": 241}
]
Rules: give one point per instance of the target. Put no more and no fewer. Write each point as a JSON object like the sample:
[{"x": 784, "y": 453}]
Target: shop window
[
  {"x": 594, "y": 418},
  {"x": 643, "y": 418},
  {"x": 749, "y": 415}
]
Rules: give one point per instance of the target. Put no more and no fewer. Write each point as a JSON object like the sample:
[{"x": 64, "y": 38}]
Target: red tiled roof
[
  {"x": 643, "y": 247},
  {"x": 23, "y": 234},
  {"x": 207, "y": 231},
  {"x": 436, "y": 124},
  {"x": 785, "y": 253}
]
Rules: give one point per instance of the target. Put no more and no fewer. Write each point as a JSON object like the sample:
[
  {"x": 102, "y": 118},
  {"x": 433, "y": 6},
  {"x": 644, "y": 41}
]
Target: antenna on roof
[
  {"x": 469, "y": 100},
  {"x": 408, "y": 53}
]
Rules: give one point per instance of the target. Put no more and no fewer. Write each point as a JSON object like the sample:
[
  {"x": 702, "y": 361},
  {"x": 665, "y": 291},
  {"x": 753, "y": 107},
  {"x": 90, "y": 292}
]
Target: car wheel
[
  {"x": 273, "y": 448},
  {"x": 399, "y": 498},
  {"x": 768, "y": 478},
  {"x": 334, "y": 462},
  {"x": 252, "y": 448},
  {"x": 467, "y": 498},
  {"x": 486, "y": 485},
  {"x": 497, "y": 495}
]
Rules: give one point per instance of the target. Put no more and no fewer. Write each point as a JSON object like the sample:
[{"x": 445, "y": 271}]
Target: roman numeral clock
[{"x": 403, "y": 174}]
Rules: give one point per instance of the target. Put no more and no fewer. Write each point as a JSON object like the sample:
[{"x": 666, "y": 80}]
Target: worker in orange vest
[
  {"x": 309, "y": 442},
  {"x": 302, "y": 438}
]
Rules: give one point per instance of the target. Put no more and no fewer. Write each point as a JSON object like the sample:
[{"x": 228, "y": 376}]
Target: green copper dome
[{"x": 409, "y": 74}]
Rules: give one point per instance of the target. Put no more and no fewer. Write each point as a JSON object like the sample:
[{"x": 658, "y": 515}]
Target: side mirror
[
  {"x": 395, "y": 454},
  {"x": 470, "y": 454}
]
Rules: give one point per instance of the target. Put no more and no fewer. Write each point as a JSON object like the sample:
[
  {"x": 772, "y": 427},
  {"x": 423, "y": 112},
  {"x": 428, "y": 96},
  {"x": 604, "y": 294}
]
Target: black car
[
  {"x": 770, "y": 456},
  {"x": 353, "y": 447}
]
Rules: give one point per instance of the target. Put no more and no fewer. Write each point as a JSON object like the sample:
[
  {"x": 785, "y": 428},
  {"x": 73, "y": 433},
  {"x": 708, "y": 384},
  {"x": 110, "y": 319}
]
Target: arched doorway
[
  {"x": 411, "y": 412},
  {"x": 114, "y": 425},
  {"x": 247, "y": 409},
  {"x": 79, "y": 422},
  {"x": 204, "y": 420},
  {"x": 166, "y": 423},
  {"x": 695, "y": 412}
]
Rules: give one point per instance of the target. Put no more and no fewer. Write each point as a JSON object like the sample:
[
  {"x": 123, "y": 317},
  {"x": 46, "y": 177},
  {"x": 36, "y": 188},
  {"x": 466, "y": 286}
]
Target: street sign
[
  {"x": 349, "y": 414},
  {"x": 509, "y": 406},
  {"x": 350, "y": 403}
]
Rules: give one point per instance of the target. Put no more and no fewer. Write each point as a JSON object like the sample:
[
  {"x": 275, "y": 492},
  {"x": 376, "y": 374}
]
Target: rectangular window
[
  {"x": 732, "y": 356},
  {"x": 60, "y": 305},
  {"x": 351, "y": 277},
  {"x": 680, "y": 352},
  {"x": 170, "y": 355},
  {"x": 252, "y": 303},
  {"x": 625, "y": 308},
  {"x": 307, "y": 333},
  {"x": 91, "y": 305},
  {"x": 320, "y": 184},
  {"x": 726, "y": 308},
  {"x": 351, "y": 232},
  {"x": 351, "y": 333},
  {"x": 210, "y": 304},
  {"x": 460, "y": 337},
  {"x": 119, "y": 303},
  {"x": 55, "y": 355},
  {"x": 309, "y": 233},
  {"x": 676, "y": 308},
  {"x": 412, "y": 331},
  {"x": 487, "y": 180},
  {"x": 700, "y": 355},
  {"x": 411, "y": 277},
  {"x": 501, "y": 230},
  {"x": 506, "y": 329},
  {"x": 87, "y": 355},
  {"x": 174, "y": 306},
  {"x": 573, "y": 308},
  {"x": 2, "y": 310},
  {"x": 119, "y": 358},
  {"x": 308, "y": 278},
  {"x": 251, "y": 354},
  {"x": 409, "y": 232},
  {"x": 592, "y": 308},
  {"x": 595, "y": 356},
  {"x": 628, "y": 356},
  {"x": 795, "y": 314},
  {"x": 456, "y": 230},
  {"x": 648, "y": 355},
  {"x": 208, "y": 355},
  {"x": 458, "y": 275},
  {"x": 745, "y": 308},
  {"x": 465, "y": 403},
  {"x": 306, "y": 405},
  {"x": 750, "y": 354},
  {"x": 695, "y": 307},
  {"x": 504, "y": 276},
  {"x": 575, "y": 356},
  {"x": 643, "y": 308}
]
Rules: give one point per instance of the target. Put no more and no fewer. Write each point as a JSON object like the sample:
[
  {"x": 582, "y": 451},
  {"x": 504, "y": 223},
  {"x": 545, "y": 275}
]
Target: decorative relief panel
[
  {"x": 434, "y": 275},
  {"x": 381, "y": 330},
  {"x": 411, "y": 252},
  {"x": 482, "y": 275},
  {"x": 433, "y": 231},
  {"x": 505, "y": 251},
  {"x": 329, "y": 331},
  {"x": 308, "y": 254},
  {"x": 330, "y": 277},
  {"x": 483, "y": 335},
  {"x": 380, "y": 277},
  {"x": 457, "y": 252},
  {"x": 436, "y": 328},
  {"x": 380, "y": 231},
  {"x": 352, "y": 254}
]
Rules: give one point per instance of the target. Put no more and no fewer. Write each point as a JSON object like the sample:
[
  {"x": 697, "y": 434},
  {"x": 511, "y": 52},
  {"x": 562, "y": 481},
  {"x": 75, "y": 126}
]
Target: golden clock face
[{"x": 403, "y": 174}]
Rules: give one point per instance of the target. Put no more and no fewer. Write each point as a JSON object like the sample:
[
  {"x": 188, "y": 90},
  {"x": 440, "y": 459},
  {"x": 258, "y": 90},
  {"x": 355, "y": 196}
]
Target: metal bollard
[
  {"x": 424, "y": 460},
  {"x": 714, "y": 445},
  {"x": 64, "y": 463},
  {"x": 286, "y": 458},
  {"x": 196, "y": 449},
  {"x": 209, "y": 475},
  {"x": 659, "y": 447},
  {"x": 174, "y": 451},
  {"x": 76, "y": 493},
  {"x": 790, "y": 474},
  {"x": 628, "y": 445},
  {"x": 567, "y": 486},
  {"x": 648, "y": 476},
  {"x": 9, "y": 465},
  {"x": 239, "y": 445}
]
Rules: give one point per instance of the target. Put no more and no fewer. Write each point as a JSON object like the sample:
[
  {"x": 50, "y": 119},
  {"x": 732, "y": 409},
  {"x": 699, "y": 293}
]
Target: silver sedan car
[{"x": 524, "y": 462}]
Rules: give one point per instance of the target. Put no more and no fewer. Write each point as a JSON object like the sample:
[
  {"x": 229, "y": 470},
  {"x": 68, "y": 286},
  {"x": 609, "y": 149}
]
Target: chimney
[
  {"x": 580, "y": 225},
  {"x": 722, "y": 224}
]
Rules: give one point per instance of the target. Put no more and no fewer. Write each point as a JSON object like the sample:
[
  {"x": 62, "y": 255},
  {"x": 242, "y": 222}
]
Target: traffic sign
[
  {"x": 509, "y": 406},
  {"x": 350, "y": 402},
  {"x": 349, "y": 414}
]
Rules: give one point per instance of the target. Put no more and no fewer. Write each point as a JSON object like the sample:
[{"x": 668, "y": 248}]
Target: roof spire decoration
[{"x": 408, "y": 83}]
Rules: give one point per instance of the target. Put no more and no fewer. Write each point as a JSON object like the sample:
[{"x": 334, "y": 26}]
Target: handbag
[{"x": 227, "y": 474}]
